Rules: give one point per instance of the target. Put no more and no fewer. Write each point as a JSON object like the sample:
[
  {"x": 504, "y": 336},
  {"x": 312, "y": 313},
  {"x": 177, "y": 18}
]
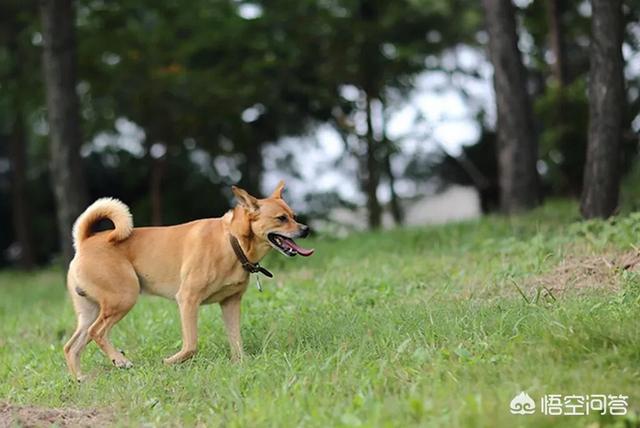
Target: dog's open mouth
[{"x": 288, "y": 246}]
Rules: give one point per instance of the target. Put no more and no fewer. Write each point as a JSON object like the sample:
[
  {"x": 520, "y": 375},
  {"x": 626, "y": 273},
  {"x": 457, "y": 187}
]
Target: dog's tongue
[{"x": 302, "y": 251}]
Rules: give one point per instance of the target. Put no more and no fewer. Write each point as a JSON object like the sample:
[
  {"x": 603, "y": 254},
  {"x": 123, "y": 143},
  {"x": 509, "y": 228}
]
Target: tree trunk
[
  {"x": 372, "y": 176},
  {"x": 20, "y": 212},
  {"x": 370, "y": 81},
  {"x": 59, "y": 59},
  {"x": 389, "y": 149},
  {"x": 19, "y": 194},
  {"x": 396, "y": 208},
  {"x": 517, "y": 146},
  {"x": 556, "y": 41},
  {"x": 606, "y": 109},
  {"x": 571, "y": 168}
]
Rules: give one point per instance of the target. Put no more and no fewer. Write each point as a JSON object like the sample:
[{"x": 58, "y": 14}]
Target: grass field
[{"x": 437, "y": 326}]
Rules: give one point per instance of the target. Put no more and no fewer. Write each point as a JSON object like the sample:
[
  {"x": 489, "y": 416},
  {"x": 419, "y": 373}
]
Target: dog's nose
[{"x": 304, "y": 230}]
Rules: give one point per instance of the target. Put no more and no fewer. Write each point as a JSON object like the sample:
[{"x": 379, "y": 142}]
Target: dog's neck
[{"x": 238, "y": 222}]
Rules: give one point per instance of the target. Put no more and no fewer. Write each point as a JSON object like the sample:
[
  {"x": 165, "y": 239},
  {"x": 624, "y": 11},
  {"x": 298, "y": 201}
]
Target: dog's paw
[
  {"x": 122, "y": 363},
  {"x": 84, "y": 377},
  {"x": 175, "y": 359},
  {"x": 179, "y": 357}
]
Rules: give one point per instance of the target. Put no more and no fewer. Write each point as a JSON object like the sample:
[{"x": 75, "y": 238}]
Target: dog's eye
[{"x": 282, "y": 218}]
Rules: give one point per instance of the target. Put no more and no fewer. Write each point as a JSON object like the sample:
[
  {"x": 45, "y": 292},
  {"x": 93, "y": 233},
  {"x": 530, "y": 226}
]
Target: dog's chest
[{"x": 218, "y": 293}]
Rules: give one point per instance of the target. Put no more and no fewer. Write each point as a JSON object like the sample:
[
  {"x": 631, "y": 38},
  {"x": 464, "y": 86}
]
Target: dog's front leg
[
  {"x": 188, "y": 304},
  {"x": 231, "y": 317}
]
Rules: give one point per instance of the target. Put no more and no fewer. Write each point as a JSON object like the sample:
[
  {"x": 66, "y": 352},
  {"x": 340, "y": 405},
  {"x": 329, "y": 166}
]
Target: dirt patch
[
  {"x": 31, "y": 416},
  {"x": 579, "y": 273},
  {"x": 631, "y": 260},
  {"x": 582, "y": 273}
]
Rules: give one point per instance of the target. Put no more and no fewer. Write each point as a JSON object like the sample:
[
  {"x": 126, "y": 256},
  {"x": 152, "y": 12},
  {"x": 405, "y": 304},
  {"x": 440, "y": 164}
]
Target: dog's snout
[{"x": 304, "y": 230}]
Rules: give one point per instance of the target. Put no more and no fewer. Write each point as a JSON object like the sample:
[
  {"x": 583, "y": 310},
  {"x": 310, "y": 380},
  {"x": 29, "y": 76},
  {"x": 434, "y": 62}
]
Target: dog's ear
[
  {"x": 245, "y": 199},
  {"x": 277, "y": 194}
]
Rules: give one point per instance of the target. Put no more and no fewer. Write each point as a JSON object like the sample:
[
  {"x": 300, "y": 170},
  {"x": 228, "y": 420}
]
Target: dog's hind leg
[
  {"x": 86, "y": 313},
  {"x": 99, "y": 332},
  {"x": 116, "y": 299}
]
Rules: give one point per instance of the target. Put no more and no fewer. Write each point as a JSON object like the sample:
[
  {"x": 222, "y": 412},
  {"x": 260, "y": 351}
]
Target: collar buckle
[{"x": 244, "y": 261}]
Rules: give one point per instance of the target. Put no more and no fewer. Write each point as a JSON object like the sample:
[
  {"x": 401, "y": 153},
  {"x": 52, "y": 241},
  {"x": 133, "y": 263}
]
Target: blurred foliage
[
  {"x": 563, "y": 142},
  {"x": 210, "y": 85},
  {"x": 561, "y": 110}
]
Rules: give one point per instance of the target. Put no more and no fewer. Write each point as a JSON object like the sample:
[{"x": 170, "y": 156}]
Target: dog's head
[{"x": 272, "y": 222}]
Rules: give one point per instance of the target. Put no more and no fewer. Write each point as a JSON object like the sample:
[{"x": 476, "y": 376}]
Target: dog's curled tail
[{"x": 104, "y": 208}]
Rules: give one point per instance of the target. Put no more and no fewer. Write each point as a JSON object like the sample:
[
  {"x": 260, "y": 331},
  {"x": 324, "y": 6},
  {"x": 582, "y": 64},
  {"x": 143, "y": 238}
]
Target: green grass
[{"x": 413, "y": 327}]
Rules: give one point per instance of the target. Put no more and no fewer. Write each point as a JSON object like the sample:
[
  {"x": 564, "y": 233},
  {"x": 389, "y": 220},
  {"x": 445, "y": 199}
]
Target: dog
[{"x": 202, "y": 262}]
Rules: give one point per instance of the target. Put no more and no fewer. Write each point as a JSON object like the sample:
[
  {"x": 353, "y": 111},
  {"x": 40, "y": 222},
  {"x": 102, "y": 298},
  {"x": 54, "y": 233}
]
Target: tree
[
  {"x": 378, "y": 49},
  {"x": 555, "y": 9},
  {"x": 21, "y": 212},
  {"x": 59, "y": 60},
  {"x": 14, "y": 39},
  {"x": 394, "y": 201},
  {"x": 606, "y": 111},
  {"x": 201, "y": 89},
  {"x": 517, "y": 145},
  {"x": 558, "y": 63}
]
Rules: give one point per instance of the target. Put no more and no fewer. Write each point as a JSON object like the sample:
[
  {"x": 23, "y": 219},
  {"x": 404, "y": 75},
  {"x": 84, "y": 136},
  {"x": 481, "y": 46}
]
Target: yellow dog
[{"x": 204, "y": 261}]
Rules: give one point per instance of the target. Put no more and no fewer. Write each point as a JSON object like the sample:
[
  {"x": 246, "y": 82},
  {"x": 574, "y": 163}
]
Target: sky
[{"x": 435, "y": 114}]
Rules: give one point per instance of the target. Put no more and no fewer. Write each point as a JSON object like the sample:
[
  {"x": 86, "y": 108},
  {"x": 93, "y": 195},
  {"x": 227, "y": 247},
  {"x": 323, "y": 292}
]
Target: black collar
[{"x": 244, "y": 261}]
